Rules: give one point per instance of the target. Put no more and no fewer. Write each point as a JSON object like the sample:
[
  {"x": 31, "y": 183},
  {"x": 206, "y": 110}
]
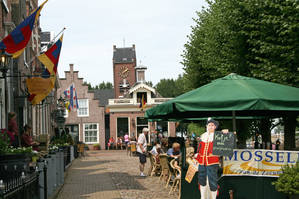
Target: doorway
[{"x": 122, "y": 126}]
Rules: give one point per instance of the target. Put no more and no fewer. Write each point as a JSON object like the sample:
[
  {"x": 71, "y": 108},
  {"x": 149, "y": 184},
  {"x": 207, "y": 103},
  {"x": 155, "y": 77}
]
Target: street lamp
[
  {"x": 60, "y": 112},
  {"x": 4, "y": 67}
]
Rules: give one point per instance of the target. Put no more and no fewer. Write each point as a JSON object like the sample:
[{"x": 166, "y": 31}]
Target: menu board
[{"x": 223, "y": 144}]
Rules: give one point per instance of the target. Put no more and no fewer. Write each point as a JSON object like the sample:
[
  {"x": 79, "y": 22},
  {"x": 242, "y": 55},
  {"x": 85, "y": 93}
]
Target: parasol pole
[{"x": 234, "y": 121}]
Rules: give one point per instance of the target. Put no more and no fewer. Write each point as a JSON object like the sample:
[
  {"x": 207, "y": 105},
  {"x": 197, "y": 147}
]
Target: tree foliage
[
  {"x": 171, "y": 87},
  {"x": 103, "y": 85},
  {"x": 195, "y": 128},
  {"x": 249, "y": 37},
  {"x": 288, "y": 181}
]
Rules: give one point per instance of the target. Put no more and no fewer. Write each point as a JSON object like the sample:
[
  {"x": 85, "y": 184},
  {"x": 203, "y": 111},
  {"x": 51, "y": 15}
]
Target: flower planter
[{"x": 12, "y": 165}]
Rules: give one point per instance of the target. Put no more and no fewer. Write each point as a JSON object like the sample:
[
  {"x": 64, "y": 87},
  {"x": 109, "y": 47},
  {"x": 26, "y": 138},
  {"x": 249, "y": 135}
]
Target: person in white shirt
[{"x": 141, "y": 149}]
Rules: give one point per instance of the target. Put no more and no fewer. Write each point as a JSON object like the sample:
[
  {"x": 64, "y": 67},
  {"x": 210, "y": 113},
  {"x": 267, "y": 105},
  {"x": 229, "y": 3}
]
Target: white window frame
[
  {"x": 5, "y": 5},
  {"x": 144, "y": 126},
  {"x": 87, "y": 115},
  {"x": 98, "y": 133}
]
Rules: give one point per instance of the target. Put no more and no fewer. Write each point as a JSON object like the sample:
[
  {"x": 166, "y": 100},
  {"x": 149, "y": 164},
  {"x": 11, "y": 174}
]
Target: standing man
[
  {"x": 141, "y": 149},
  {"x": 208, "y": 163}
]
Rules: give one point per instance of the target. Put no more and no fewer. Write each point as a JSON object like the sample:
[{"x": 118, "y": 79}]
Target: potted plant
[
  {"x": 288, "y": 181},
  {"x": 4, "y": 141},
  {"x": 96, "y": 147}
]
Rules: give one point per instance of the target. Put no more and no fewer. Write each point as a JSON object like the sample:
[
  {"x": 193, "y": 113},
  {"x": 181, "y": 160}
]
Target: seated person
[
  {"x": 174, "y": 152},
  {"x": 111, "y": 142},
  {"x": 164, "y": 144},
  {"x": 156, "y": 150},
  {"x": 27, "y": 140},
  {"x": 126, "y": 139},
  {"x": 119, "y": 142}
]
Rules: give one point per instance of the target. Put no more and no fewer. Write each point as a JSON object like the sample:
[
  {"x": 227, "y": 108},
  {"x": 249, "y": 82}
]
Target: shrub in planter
[
  {"x": 4, "y": 141},
  {"x": 288, "y": 181},
  {"x": 96, "y": 147}
]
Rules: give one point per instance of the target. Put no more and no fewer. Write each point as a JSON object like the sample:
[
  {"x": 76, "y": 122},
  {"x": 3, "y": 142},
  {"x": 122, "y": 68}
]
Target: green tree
[
  {"x": 88, "y": 84},
  {"x": 250, "y": 37},
  {"x": 171, "y": 87},
  {"x": 149, "y": 83},
  {"x": 105, "y": 85},
  {"x": 195, "y": 128}
]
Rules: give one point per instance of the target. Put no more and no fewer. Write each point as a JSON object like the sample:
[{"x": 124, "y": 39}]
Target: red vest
[{"x": 205, "y": 156}]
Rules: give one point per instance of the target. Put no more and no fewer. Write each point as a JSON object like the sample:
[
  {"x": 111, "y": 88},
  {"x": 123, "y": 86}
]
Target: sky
[{"x": 158, "y": 28}]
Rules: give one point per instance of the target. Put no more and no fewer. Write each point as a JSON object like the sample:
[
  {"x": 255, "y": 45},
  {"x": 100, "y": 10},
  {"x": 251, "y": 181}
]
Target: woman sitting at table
[
  {"x": 27, "y": 140},
  {"x": 119, "y": 142},
  {"x": 111, "y": 142}
]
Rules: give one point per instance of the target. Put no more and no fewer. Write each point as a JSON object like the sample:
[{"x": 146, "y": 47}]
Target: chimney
[{"x": 71, "y": 68}]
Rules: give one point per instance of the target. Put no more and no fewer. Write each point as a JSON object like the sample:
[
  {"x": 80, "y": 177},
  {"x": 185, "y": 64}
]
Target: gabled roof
[
  {"x": 124, "y": 55},
  {"x": 103, "y": 95},
  {"x": 140, "y": 85}
]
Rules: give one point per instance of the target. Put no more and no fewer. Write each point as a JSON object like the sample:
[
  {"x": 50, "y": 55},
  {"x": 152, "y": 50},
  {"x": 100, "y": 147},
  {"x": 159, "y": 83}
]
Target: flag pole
[{"x": 52, "y": 41}]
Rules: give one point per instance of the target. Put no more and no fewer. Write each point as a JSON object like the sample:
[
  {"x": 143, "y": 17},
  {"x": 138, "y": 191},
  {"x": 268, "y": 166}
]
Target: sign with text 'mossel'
[{"x": 257, "y": 162}]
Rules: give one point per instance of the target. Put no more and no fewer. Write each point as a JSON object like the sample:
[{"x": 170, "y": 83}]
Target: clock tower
[{"x": 124, "y": 75}]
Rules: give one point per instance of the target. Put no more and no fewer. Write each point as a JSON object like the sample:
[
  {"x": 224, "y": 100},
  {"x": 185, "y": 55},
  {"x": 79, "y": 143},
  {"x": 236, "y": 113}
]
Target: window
[
  {"x": 141, "y": 123},
  {"x": 91, "y": 133},
  {"x": 83, "y": 108},
  {"x": 74, "y": 131},
  {"x": 139, "y": 97},
  {"x": 5, "y": 5},
  {"x": 162, "y": 126}
]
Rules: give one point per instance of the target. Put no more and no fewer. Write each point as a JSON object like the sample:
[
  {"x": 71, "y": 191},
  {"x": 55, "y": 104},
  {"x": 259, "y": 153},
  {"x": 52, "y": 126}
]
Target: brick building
[
  {"x": 130, "y": 87},
  {"x": 88, "y": 122},
  {"x": 12, "y": 13}
]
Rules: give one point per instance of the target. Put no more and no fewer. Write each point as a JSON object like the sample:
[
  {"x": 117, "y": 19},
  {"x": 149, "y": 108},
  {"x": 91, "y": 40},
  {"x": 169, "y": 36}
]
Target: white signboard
[{"x": 257, "y": 162}]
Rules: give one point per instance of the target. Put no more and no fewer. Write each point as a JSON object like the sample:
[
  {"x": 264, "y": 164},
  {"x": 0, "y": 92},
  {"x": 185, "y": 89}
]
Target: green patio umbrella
[{"x": 232, "y": 95}]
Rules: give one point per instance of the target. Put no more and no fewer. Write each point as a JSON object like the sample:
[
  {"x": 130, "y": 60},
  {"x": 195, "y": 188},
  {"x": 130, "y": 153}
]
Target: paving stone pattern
[{"x": 111, "y": 175}]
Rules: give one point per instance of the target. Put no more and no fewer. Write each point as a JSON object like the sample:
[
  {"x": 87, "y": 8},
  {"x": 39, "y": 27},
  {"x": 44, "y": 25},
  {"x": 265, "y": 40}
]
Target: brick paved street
[{"x": 110, "y": 175}]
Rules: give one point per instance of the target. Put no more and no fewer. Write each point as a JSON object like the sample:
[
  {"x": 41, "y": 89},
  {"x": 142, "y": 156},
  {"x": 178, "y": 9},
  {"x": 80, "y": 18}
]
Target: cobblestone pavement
[{"x": 111, "y": 175}]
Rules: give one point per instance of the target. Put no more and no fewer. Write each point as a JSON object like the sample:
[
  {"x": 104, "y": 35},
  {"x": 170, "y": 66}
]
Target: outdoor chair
[
  {"x": 177, "y": 180},
  {"x": 156, "y": 166},
  {"x": 81, "y": 149},
  {"x": 164, "y": 167},
  {"x": 151, "y": 157},
  {"x": 129, "y": 152},
  {"x": 123, "y": 145},
  {"x": 171, "y": 173},
  {"x": 111, "y": 146},
  {"x": 133, "y": 148}
]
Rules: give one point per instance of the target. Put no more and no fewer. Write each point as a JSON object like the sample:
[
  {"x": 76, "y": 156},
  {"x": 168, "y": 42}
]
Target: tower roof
[{"x": 124, "y": 55}]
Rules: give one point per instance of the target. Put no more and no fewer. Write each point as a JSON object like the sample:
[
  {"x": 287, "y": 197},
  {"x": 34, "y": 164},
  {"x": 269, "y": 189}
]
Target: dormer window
[{"x": 140, "y": 95}]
